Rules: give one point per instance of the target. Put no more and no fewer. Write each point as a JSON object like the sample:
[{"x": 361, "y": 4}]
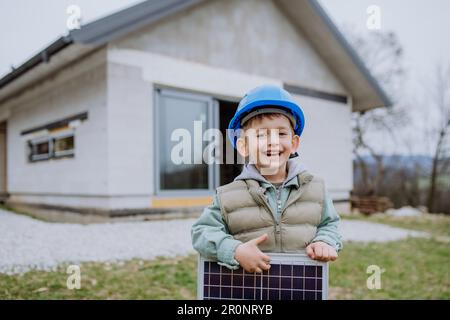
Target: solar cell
[{"x": 291, "y": 277}]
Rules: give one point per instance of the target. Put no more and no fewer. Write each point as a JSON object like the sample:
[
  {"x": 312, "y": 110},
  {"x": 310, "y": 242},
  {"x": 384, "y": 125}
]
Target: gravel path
[
  {"x": 26, "y": 243},
  {"x": 362, "y": 231}
]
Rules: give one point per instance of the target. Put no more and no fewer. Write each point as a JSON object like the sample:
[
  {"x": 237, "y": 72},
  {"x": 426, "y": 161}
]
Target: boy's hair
[{"x": 261, "y": 116}]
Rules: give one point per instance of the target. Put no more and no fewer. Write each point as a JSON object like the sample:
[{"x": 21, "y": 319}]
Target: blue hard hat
[{"x": 266, "y": 96}]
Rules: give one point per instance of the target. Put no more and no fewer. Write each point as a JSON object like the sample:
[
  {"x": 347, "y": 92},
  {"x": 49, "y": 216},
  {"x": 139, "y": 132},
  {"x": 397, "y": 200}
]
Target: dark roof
[
  {"x": 43, "y": 56},
  {"x": 103, "y": 30}
]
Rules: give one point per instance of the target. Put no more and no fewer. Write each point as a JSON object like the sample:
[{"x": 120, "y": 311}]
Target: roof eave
[
  {"x": 128, "y": 20},
  {"x": 42, "y": 57},
  {"x": 101, "y": 31}
]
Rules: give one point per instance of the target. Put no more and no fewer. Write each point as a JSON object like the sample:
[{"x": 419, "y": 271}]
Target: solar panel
[{"x": 290, "y": 277}]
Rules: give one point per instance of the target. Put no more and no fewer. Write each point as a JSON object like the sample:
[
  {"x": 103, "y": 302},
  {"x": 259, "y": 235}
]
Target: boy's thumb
[{"x": 261, "y": 239}]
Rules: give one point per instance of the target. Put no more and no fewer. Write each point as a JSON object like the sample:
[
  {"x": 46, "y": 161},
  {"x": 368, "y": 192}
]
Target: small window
[
  {"x": 52, "y": 147},
  {"x": 64, "y": 146},
  {"x": 40, "y": 149}
]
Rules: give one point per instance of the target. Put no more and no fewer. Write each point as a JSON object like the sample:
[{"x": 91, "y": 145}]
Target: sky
[
  {"x": 27, "y": 26},
  {"x": 422, "y": 28}
]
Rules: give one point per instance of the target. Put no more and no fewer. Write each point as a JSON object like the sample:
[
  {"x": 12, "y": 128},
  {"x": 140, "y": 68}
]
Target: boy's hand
[
  {"x": 250, "y": 257},
  {"x": 321, "y": 251}
]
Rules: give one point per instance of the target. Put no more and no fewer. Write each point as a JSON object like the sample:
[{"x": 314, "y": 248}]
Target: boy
[{"x": 274, "y": 205}]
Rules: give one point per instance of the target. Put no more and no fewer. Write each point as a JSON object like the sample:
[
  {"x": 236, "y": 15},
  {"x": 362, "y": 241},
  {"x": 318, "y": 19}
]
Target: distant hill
[
  {"x": 401, "y": 161},
  {"x": 397, "y": 162}
]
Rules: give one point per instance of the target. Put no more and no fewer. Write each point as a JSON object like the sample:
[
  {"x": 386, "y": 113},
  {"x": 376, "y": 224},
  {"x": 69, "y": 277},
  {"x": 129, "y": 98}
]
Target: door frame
[{"x": 212, "y": 122}]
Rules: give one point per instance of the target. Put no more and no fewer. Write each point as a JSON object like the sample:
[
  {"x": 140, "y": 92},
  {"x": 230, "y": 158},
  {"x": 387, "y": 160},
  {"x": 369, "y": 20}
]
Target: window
[
  {"x": 57, "y": 138},
  {"x": 64, "y": 146},
  {"x": 40, "y": 149},
  {"x": 191, "y": 115},
  {"x": 45, "y": 148}
]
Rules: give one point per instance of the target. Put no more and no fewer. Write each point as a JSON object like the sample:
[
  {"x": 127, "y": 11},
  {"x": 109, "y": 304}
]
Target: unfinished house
[{"x": 85, "y": 125}]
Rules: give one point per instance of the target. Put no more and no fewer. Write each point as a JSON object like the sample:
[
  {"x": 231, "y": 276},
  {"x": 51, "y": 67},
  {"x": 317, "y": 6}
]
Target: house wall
[
  {"x": 80, "y": 181},
  {"x": 251, "y": 36},
  {"x": 183, "y": 52},
  {"x": 130, "y": 143},
  {"x": 3, "y": 187},
  {"x": 113, "y": 166},
  {"x": 325, "y": 145}
]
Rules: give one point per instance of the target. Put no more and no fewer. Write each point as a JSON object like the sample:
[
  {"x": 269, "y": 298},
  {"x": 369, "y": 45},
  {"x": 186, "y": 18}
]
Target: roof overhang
[
  {"x": 91, "y": 36},
  {"x": 18, "y": 79}
]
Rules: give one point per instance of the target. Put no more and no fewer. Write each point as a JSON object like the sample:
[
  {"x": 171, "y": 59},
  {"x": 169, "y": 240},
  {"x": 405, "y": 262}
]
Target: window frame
[
  {"x": 65, "y": 153},
  {"x": 50, "y": 139},
  {"x": 212, "y": 120},
  {"x": 32, "y": 143}
]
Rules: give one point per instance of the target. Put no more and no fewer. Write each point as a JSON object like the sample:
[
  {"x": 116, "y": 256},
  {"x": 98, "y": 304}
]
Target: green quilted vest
[{"x": 248, "y": 215}]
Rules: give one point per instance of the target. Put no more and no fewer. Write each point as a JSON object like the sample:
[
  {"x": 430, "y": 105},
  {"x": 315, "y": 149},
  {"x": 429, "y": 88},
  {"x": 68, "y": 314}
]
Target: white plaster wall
[
  {"x": 251, "y": 36},
  {"x": 83, "y": 179},
  {"x": 132, "y": 77},
  {"x": 130, "y": 144},
  {"x": 3, "y": 187},
  {"x": 326, "y": 143}
]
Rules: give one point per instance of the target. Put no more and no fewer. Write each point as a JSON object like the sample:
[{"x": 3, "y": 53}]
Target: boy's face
[{"x": 268, "y": 142}]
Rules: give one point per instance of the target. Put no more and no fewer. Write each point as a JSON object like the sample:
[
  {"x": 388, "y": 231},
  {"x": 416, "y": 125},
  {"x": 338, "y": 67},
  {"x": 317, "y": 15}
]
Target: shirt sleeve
[
  {"x": 328, "y": 229},
  {"x": 211, "y": 238}
]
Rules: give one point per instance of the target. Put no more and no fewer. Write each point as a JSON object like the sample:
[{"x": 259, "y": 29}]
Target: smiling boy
[{"x": 275, "y": 204}]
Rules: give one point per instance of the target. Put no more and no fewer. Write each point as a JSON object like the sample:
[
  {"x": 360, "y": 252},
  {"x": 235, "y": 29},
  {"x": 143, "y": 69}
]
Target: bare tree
[
  {"x": 383, "y": 55},
  {"x": 439, "y": 130}
]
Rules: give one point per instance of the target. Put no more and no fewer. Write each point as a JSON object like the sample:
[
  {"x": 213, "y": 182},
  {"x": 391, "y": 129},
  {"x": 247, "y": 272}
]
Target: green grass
[
  {"x": 136, "y": 279},
  {"x": 415, "y": 268}
]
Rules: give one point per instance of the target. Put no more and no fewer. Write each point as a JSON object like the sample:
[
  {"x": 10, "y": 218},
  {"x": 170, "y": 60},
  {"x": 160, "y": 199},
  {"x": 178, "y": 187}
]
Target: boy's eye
[
  {"x": 266, "y": 134},
  {"x": 261, "y": 134}
]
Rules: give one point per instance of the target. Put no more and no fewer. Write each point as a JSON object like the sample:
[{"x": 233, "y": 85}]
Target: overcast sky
[
  {"x": 423, "y": 29},
  {"x": 27, "y": 26}
]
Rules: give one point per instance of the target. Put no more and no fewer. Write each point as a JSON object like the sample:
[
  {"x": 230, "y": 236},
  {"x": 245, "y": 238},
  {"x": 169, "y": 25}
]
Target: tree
[
  {"x": 438, "y": 129},
  {"x": 383, "y": 55}
]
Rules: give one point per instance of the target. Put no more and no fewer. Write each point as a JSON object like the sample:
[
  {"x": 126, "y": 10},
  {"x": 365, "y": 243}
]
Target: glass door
[{"x": 180, "y": 122}]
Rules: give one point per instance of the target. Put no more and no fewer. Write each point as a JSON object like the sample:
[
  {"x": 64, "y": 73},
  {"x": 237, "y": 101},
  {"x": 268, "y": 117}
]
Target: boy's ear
[
  {"x": 241, "y": 147},
  {"x": 295, "y": 143}
]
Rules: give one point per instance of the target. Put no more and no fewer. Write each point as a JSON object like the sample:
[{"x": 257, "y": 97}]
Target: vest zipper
[
  {"x": 269, "y": 209},
  {"x": 278, "y": 203},
  {"x": 278, "y": 220}
]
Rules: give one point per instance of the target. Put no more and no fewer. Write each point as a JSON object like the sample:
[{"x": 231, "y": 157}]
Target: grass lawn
[
  {"x": 136, "y": 279},
  {"x": 414, "y": 269}
]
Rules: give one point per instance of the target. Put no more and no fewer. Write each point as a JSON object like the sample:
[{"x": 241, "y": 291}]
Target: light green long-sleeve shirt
[{"x": 211, "y": 238}]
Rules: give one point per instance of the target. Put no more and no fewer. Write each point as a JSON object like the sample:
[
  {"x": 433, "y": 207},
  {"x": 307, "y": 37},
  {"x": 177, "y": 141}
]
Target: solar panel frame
[{"x": 268, "y": 283}]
